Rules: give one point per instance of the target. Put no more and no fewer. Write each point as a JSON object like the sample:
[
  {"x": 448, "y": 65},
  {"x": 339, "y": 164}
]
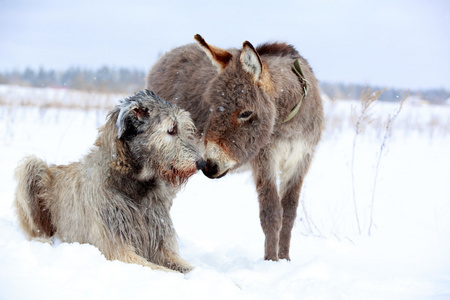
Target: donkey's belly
[{"x": 289, "y": 156}]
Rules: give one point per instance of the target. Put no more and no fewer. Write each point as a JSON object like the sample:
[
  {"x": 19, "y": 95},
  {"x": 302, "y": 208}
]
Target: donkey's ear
[
  {"x": 130, "y": 118},
  {"x": 251, "y": 62},
  {"x": 219, "y": 57}
]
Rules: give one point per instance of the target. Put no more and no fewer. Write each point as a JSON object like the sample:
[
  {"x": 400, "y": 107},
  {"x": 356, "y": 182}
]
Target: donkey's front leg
[
  {"x": 270, "y": 211},
  {"x": 290, "y": 192},
  {"x": 291, "y": 183}
]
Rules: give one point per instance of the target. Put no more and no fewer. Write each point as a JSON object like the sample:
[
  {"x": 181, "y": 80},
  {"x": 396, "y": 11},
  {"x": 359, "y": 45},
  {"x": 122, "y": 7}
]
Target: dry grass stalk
[
  {"x": 360, "y": 120},
  {"x": 387, "y": 134}
]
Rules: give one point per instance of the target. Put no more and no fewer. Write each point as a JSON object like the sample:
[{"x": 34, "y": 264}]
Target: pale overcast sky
[{"x": 403, "y": 44}]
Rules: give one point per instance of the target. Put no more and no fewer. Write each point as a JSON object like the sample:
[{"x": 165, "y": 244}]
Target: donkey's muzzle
[{"x": 212, "y": 169}]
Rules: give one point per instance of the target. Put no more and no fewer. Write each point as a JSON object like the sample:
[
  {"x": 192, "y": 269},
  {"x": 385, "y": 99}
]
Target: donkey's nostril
[
  {"x": 200, "y": 164},
  {"x": 214, "y": 169},
  {"x": 210, "y": 169}
]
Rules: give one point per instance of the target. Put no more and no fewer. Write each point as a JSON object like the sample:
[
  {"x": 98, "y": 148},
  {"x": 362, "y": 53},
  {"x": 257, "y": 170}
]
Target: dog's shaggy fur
[{"x": 118, "y": 196}]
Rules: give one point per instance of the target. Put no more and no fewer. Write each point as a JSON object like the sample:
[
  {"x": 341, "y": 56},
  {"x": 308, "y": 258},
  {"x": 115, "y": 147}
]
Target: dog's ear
[
  {"x": 131, "y": 117},
  {"x": 219, "y": 57},
  {"x": 120, "y": 162}
]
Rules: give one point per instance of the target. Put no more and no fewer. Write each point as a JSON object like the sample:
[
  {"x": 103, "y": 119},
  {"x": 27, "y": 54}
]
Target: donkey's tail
[{"x": 32, "y": 197}]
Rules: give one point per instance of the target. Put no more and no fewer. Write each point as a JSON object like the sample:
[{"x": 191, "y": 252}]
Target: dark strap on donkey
[{"x": 299, "y": 72}]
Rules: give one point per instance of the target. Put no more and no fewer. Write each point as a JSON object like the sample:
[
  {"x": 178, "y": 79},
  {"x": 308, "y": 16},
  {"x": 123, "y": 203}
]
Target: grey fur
[
  {"x": 238, "y": 99},
  {"x": 118, "y": 196}
]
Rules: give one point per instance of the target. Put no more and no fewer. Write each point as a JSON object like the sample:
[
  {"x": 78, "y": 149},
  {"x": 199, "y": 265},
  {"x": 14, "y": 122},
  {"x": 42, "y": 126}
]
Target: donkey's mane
[{"x": 277, "y": 49}]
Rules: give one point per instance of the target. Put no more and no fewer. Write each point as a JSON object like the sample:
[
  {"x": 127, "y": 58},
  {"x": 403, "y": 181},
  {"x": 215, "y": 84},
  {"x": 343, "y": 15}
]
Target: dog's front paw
[
  {"x": 185, "y": 269},
  {"x": 181, "y": 266}
]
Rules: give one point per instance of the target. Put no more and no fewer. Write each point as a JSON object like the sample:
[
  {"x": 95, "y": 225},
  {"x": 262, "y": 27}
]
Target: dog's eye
[
  {"x": 245, "y": 115},
  {"x": 173, "y": 131}
]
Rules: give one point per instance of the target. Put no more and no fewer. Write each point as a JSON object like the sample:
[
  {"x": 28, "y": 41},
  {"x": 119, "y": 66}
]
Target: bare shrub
[
  {"x": 387, "y": 134},
  {"x": 361, "y": 119}
]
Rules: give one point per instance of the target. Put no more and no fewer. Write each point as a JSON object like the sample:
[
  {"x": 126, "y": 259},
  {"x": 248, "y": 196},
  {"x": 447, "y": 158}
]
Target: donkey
[{"x": 253, "y": 107}]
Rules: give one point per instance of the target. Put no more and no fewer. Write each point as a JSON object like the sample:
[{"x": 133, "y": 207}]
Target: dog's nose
[{"x": 200, "y": 164}]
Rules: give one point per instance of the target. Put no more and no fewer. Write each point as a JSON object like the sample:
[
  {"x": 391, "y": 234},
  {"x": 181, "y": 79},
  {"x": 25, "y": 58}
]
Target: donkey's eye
[
  {"x": 245, "y": 115},
  {"x": 173, "y": 131}
]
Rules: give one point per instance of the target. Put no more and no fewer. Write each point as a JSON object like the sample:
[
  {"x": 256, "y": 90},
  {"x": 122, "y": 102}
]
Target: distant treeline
[
  {"x": 104, "y": 79},
  {"x": 125, "y": 80},
  {"x": 354, "y": 91}
]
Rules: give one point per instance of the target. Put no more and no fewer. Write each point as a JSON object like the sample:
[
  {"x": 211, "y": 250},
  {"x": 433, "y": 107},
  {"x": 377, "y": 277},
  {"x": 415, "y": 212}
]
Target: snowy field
[{"x": 406, "y": 255}]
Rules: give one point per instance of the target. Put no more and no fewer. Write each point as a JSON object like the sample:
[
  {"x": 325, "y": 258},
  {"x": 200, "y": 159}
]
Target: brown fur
[
  {"x": 276, "y": 49},
  {"x": 118, "y": 196},
  {"x": 218, "y": 56},
  {"x": 239, "y": 110}
]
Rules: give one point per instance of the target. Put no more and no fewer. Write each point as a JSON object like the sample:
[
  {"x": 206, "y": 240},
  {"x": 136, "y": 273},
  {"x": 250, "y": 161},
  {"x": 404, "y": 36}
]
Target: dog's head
[{"x": 155, "y": 138}]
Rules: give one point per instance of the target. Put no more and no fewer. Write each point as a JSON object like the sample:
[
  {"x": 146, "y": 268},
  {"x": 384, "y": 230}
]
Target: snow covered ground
[{"x": 407, "y": 255}]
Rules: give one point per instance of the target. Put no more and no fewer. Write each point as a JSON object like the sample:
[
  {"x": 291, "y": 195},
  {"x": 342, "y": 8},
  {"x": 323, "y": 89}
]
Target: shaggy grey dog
[{"x": 118, "y": 196}]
